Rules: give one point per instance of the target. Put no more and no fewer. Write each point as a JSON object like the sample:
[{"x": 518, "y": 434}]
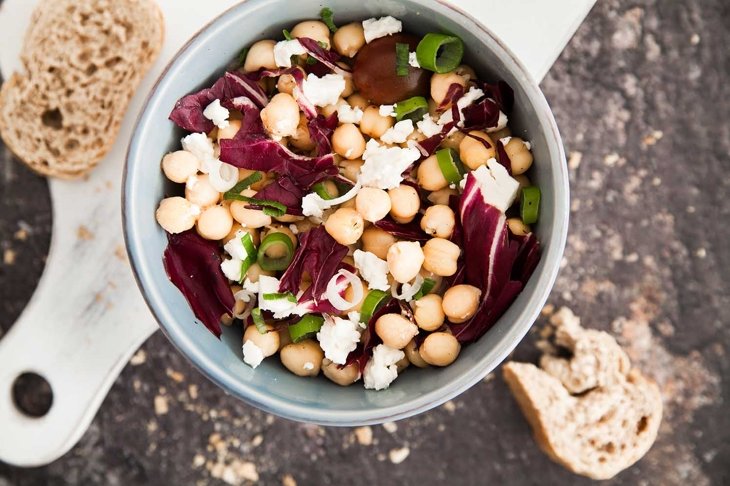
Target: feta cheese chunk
[
  {"x": 200, "y": 146},
  {"x": 338, "y": 338},
  {"x": 282, "y": 307},
  {"x": 381, "y": 370},
  {"x": 235, "y": 246},
  {"x": 376, "y": 28},
  {"x": 231, "y": 268},
  {"x": 428, "y": 127},
  {"x": 469, "y": 97},
  {"x": 387, "y": 110},
  {"x": 413, "y": 60},
  {"x": 498, "y": 188},
  {"x": 323, "y": 91},
  {"x": 372, "y": 269},
  {"x": 398, "y": 133},
  {"x": 348, "y": 114},
  {"x": 284, "y": 50},
  {"x": 505, "y": 140},
  {"x": 501, "y": 123},
  {"x": 314, "y": 205},
  {"x": 252, "y": 354},
  {"x": 216, "y": 113},
  {"x": 384, "y": 166}
]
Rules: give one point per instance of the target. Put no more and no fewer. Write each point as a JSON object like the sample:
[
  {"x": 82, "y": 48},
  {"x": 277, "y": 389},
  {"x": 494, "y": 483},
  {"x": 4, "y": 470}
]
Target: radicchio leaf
[
  {"x": 188, "y": 111},
  {"x": 528, "y": 256},
  {"x": 502, "y": 93},
  {"x": 405, "y": 231},
  {"x": 193, "y": 265},
  {"x": 298, "y": 92},
  {"x": 251, "y": 122},
  {"x": 454, "y": 92},
  {"x": 320, "y": 130},
  {"x": 325, "y": 56},
  {"x": 284, "y": 191},
  {"x": 503, "y": 158},
  {"x": 429, "y": 145},
  {"x": 481, "y": 115}
]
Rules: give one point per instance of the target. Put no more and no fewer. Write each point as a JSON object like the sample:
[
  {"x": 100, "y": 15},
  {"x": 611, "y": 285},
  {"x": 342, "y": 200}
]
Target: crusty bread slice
[
  {"x": 607, "y": 423},
  {"x": 83, "y": 60}
]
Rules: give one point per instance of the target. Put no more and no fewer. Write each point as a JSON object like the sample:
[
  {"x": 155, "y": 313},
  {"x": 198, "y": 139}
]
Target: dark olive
[{"x": 375, "y": 75}]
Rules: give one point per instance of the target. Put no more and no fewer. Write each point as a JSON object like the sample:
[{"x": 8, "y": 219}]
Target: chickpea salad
[{"x": 353, "y": 198}]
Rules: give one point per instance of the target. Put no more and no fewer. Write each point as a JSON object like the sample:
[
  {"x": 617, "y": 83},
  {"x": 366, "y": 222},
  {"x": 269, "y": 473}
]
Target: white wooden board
[{"x": 87, "y": 316}]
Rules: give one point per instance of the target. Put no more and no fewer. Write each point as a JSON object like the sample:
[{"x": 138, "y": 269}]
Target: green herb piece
[
  {"x": 426, "y": 287},
  {"x": 287, "y": 35},
  {"x": 450, "y": 165},
  {"x": 241, "y": 59},
  {"x": 372, "y": 303},
  {"x": 320, "y": 189},
  {"x": 281, "y": 295},
  {"x": 401, "y": 59},
  {"x": 242, "y": 185},
  {"x": 327, "y": 17},
  {"x": 412, "y": 108},
  {"x": 258, "y": 321},
  {"x": 306, "y": 328},
  {"x": 251, "y": 254}
]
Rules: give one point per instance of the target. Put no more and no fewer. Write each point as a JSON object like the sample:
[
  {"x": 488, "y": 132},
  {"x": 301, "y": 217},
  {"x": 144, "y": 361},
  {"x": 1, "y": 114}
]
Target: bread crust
[{"x": 83, "y": 61}]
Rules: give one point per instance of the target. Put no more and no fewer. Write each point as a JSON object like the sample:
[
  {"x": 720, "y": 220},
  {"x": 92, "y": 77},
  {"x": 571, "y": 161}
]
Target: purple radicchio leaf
[
  {"x": 428, "y": 146},
  {"x": 284, "y": 191},
  {"x": 193, "y": 265},
  {"x": 320, "y": 130},
  {"x": 502, "y": 93},
  {"x": 528, "y": 256},
  {"x": 405, "y": 231},
  {"x": 325, "y": 56},
  {"x": 503, "y": 158},
  {"x": 251, "y": 122},
  {"x": 481, "y": 115},
  {"x": 298, "y": 92}
]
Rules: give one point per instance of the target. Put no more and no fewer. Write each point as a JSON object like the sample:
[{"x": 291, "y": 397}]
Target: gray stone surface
[{"x": 641, "y": 96}]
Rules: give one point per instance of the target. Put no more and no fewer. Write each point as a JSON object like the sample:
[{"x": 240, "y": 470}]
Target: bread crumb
[
  {"x": 257, "y": 440},
  {"x": 139, "y": 358},
  {"x": 288, "y": 480},
  {"x": 120, "y": 253},
  {"x": 84, "y": 234},
  {"x": 450, "y": 406},
  {"x": 9, "y": 256},
  {"x": 364, "y": 435},
  {"x": 701, "y": 253},
  {"x": 152, "y": 426},
  {"x": 176, "y": 376},
  {"x": 397, "y": 456},
  {"x": 193, "y": 391},
  {"x": 198, "y": 461},
  {"x": 390, "y": 427},
  {"x": 652, "y": 138},
  {"x": 574, "y": 160},
  {"x": 21, "y": 234},
  {"x": 161, "y": 405},
  {"x": 695, "y": 39}
]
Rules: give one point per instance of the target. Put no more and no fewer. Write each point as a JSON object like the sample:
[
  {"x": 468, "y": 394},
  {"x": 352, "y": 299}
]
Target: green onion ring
[
  {"x": 307, "y": 327},
  {"x": 275, "y": 264},
  {"x": 258, "y": 321},
  {"x": 412, "y": 108},
  {"x": 450, "y": 165},
  {"x": 372, "y": 303},
  {"x": 440, "y": 53},
  {"x": 530, "y": 204}
]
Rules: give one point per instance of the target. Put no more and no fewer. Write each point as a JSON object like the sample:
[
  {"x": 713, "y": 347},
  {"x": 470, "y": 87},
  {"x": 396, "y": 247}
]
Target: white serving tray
[{"x": 87, "y": 316}]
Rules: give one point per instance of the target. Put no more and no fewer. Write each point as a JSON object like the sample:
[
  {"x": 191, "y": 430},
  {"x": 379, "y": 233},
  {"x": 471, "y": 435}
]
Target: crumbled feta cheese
[
  {"x": 348, "y": 114},
  {"x": 413, "y": 60},
  {"x": 398, "y": 133},
  {"x": 216, "y": 113},
  {"x": 314, "y": 205},
  {"x": 498, "y": 188},
  {"x": 381, "y": 370},
  {"x": 200, "y": 146},
  {"x": 325, "y": 90},
  {"x": 308, "y": 366},
  {"x": 235, "y": 246},
  {"x": 428, "y": 127},
  {"x": 376, "y": 28},
  {"x": 372, "y": 269},
  {"x": 384, "y": 166},
  {"x": 231, "y": 268},
  {"x": 354, "y": 316},
  {"x": 469, "y": 97},
  {"x": 505, "y": 140},
  {"x": 387, "y": 110},
  {"x": 252, "y": 354},
  {"x": 294, "y": 229},
  {"x": 501, "y": 123},
  {"x": 251, "y": 286},
  {"x": 338, "y": 338},
  {"x": 282, "y": 307},
  {"x": 284, "y": 50},
  {"x": 409, "y": 290},
  {"x": 528, "y": 145}
]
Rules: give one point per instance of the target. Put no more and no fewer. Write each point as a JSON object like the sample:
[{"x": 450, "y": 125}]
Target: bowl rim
[{"x": 212, "y": 370}]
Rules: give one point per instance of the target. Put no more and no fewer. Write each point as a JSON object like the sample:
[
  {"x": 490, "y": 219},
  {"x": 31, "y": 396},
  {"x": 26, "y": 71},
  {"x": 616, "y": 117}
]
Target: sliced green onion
[
  {"x": 242, "y": 56},
  {"x": 307, "y": 327},
  {"x": 320, "y": 189},
  {"x": 275, "y": 212},
  {"x": 323, "y": 45},
  {"x": 401, "y": 59},
  {"x": 311, "y": 60},
  {"x": 450, "y": 165},
  {"x": 243, "y": 185},
  {"x": 372, "y": 303},
  {"x": 258, "y": 321},
  {"x": 428, "y": 285},
  {"x": 270, "y": 208},
  {"x": 412, "y": 109},
  {"x": 251, "y": 255},
  {"x": 275, "y": 264},
  {"x": 440, "y": 53},
  {"x": 281, "y": 295},
  {"x": 327, "y": 15},
  {"x": 287, "y": 35},
  {"x": 530, "y": 204}
]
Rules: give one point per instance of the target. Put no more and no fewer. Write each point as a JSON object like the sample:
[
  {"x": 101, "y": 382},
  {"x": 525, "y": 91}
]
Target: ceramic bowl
[{"x": 271, "y": 387}]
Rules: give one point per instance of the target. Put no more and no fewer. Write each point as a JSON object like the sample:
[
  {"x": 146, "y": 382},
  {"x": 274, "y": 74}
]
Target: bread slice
[
  {"x": 605, "y": 426},
  {"x": 83, "y": 60}
]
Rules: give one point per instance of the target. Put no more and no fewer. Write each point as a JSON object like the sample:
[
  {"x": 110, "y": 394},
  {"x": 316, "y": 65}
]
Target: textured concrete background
[{"x": 641, "y": 96}]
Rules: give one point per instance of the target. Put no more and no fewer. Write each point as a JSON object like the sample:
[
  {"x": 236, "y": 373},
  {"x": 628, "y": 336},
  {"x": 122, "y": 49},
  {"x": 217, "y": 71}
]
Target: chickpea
[
  {"x": 255, "y": 271},
  {"x": 238, "y": 307},
  {"x": 330, "y": 109},
  {"x": 519, "y": 155},
  {"x": 454, "y": 140},
  {"x": 286, "y": 84},
  {"x": 433, "y": 109},
  {"x": 179, "y": 166},
  {"x": 349, "y": 39},
  {"x": 377, "y": 241},
  {"x": 276, "y": 251},
  {"x": 441, "y": 256},
  {"x": 517, "y": 227},
  {"x": 405, "y": 203},
  {"x": 350, "y": 296},
  {"x": 402, "y": 364},
  {"x": 442, "y": 196},
  {"x": 466, "y": 72},
  {"x": 440, "y": 84},
  {"x": 373, "y": 124},
  {"x": 523, "y": 180},
  {"x": 303, "y": 358},
  {"x": 301, "y": 139},
  {"x": 214, "y": 223},
  {"x": 230, "y": 131},
  {"x": 284, "y": 338},
  {"x": 345, "y": 225},
  {"x": 349, "y": 82},
  {"x": 177, "y": 214},
  {"x": 305, "y": 225},
  {"x": 260, "y": 55},
  {"x": 268, "y": 342},
  {"x": 405, "y": 259},
  {"x": 373, "y": 204},
  {"x": 350, "y": 169},
  {"x": 395, "y": 330},
  {"x": 440, "y": 349},
  {"x": 414, "y": 357},
  {"x": 348, "y": 141},
  {"x": 460, "y": 303},
  {"x": 429, "y": 175},
  {"x": 236, "y": 228},
  {"x": 281, "y": 116},
  {"x": 500, "y": 134},
  {"x": 473, "y": 153},
  {"x": 344, "y": 376},
  {"x": 288, "y": 218},
  {"x": 198, "y": 190},
  {"x": 249, "y": 218},
  {"x": 358, "y": 101},
  {"x": 439, "y": 221},
  {"x": 314, "y": 29},
  {"x": 428, "y": 312}
]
